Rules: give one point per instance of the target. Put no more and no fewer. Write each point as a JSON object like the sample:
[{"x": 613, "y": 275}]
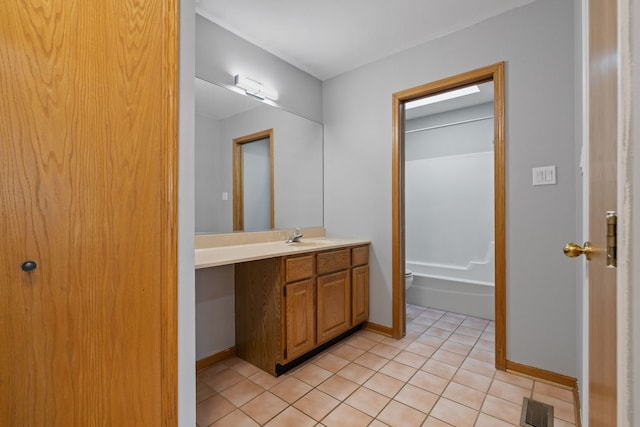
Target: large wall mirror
[{"x": 223, "y": 116}]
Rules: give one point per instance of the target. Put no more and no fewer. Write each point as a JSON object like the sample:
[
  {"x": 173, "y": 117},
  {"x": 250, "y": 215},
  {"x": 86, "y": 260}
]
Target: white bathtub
[{"x": 466, "y": 289}]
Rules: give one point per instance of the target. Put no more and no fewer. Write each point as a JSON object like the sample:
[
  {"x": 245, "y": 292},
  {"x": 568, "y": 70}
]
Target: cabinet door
[
  {"x": 360, "y": 294},
  {"x": 334, "y": 305},
  {"x": 299, "y": 321}
]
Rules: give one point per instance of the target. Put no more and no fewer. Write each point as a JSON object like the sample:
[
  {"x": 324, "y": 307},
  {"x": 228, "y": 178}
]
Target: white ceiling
[{"x": 329, "y": 37}]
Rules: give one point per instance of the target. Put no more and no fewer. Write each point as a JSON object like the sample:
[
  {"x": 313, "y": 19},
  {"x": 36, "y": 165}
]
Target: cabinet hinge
[
  {"x": 285, "y": 354},
  {"x": 612, "y": 239},
  {"x": 284, "y": 291}
]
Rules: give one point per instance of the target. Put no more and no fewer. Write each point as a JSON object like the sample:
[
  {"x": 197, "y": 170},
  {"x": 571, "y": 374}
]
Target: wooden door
[
  {"x": 603, "y": 68},
  {"x": 87, "y": 190},
  {"x": 300, "y": 318},
  {"x": 359, "y": 294},
  {"x": 334, "y": 305}
]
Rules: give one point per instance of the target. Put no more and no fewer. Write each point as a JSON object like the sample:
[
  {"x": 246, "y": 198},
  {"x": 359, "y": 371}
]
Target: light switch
[
  {"x": 544, "y": 175},
  {"x": 225, "y": 195}
]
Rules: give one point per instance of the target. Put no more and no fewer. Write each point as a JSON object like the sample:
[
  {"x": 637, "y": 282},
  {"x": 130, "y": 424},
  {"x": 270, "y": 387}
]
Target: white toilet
[{"x": 408, "y": 278}]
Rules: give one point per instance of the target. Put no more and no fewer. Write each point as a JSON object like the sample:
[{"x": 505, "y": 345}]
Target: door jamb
[{"x": 493, "y": 73}]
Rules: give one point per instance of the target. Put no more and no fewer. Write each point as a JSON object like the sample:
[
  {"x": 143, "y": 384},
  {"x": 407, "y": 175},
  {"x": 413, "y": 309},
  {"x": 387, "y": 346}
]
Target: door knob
[
  {"x": 29, "y": 266},
  {"x": 573, "y": 250}
]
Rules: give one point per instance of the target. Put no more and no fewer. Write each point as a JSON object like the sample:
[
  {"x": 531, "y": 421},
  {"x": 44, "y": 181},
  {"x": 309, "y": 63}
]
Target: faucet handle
[{"x": 295, "y": 236}]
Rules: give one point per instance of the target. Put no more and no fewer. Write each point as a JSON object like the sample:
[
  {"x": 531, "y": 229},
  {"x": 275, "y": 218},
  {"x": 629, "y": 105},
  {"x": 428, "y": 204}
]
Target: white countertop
[{"x": 225, "y": 255}]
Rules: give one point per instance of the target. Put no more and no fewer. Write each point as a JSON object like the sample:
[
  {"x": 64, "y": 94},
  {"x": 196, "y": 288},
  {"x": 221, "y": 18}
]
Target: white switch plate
[
  {"x": 544, "y": 175},
  {"x": 225, "y": 195}
]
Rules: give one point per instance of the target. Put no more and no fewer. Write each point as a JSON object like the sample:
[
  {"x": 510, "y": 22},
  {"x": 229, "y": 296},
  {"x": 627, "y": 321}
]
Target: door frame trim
[
  {"x": 169, "y": 196},
  {"x": 493, "y": 73},
  {"x": 627, "y": 202}
]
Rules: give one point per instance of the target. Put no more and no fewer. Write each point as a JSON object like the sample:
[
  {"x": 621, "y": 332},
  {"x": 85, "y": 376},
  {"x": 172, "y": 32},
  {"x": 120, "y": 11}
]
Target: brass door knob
[{"x": 573, "y": 250}]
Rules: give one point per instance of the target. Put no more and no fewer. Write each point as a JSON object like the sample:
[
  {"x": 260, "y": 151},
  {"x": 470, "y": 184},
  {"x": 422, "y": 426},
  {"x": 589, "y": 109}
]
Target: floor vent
[{"x": 536, "y": 414}]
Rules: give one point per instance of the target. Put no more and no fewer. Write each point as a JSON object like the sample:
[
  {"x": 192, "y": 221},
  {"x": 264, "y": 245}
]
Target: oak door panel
[
  {"x": 603, "y": 116},
  {"x": 87, "y": 190}
]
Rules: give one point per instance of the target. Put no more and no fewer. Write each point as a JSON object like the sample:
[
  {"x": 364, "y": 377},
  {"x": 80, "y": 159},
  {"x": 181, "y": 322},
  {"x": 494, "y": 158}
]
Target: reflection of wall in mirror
[{"x": 298, "y": 171}]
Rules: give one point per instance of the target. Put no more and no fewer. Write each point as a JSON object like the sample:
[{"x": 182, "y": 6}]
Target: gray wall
[
  {"x": 186, "y": 200},
  {"x": 537, "y": 43},
  {"x": 220, "y": 55},
  {"x": 634, "y": 265},
  {"x": 215, "y": 310}
]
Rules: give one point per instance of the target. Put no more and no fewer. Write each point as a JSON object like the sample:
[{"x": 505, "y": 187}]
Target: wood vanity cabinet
[
  {"x": 288, "y": 307},
  {"x": 360, "y": 284}
]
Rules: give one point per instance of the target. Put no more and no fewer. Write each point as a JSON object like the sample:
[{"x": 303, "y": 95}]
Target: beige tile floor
[{"x": 440, "y": 374}]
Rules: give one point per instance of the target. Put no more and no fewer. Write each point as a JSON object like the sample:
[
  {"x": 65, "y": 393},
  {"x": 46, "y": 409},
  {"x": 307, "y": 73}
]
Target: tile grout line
[{"x": 446, "y": 320}]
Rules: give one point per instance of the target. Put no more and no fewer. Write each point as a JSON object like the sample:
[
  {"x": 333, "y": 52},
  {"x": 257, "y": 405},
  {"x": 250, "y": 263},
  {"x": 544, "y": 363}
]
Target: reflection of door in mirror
[{"x": 253, "y": 182}]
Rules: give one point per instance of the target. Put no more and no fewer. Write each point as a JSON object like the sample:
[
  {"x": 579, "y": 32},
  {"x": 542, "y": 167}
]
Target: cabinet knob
[{"x": 29, "y": 266}]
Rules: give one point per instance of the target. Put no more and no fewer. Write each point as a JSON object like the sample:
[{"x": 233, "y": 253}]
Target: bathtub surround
[
  {"x": 448, "y": 293},
  {"x": 449, "y": 206},
  {"x": 537, "y": 44},
  {"x": 449, "y": 194}
]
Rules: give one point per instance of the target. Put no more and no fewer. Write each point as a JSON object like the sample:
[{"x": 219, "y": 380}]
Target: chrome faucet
[{"x": 295, "y": 237}]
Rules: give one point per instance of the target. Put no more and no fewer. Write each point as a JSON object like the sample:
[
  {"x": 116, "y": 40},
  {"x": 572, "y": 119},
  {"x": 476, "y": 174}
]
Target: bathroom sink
[{"x": 312, "y": 243}]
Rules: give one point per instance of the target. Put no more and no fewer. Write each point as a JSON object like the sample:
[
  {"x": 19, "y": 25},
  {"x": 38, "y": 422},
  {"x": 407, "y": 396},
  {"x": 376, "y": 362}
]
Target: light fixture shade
[
  {"x": 442, "y": 97},
  {"x": 254, "y": 88}
]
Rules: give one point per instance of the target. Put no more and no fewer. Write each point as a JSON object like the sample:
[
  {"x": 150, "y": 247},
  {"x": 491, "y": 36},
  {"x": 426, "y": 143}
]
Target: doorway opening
[{"x": 402, "y": 101}]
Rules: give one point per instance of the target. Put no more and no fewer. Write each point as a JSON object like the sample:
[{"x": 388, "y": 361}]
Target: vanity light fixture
[
  {"x": 254, "y": 88},
  {"x": 442, "y": 97}
]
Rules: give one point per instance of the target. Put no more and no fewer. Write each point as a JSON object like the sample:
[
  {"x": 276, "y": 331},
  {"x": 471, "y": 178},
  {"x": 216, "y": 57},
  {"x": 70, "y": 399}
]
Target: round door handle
[
  {"x": 573, "y": 250},
  {"x": 29, "y": 266}
]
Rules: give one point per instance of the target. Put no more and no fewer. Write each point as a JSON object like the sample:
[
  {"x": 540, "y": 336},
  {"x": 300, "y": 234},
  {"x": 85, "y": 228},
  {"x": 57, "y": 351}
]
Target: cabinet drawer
[
  {"x": 360, "y": 255},
  {"x": 298, "y": 268},
  {"x": 331, "y": 261}
]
